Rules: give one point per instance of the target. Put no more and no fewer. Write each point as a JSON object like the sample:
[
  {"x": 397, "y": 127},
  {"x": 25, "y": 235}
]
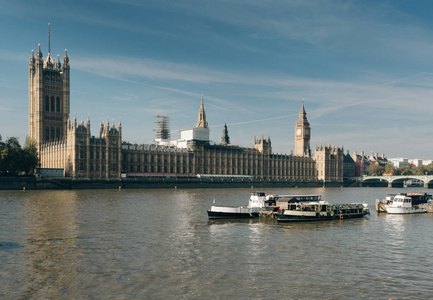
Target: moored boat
[
  {"x": 405, "y": 203},
  {"x": 402, "y": 204},
  {"x": 257, "y": 201},
  {"x": 321, "y": 211},
  {"x": 312, "y": 208}
]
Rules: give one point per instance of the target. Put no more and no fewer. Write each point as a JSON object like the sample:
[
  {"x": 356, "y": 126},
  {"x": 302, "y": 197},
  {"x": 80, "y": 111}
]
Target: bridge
[{"x": 424, "y": 178}]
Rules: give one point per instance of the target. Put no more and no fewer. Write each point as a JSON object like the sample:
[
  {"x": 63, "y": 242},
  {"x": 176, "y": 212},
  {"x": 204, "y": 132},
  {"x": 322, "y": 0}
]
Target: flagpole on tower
[{"x": 49, "y": 38}]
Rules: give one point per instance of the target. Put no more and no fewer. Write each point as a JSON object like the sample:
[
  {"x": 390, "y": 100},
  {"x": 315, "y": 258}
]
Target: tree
[
  {"x": 389, "y": 169},
  {"x": 420, "y": 170},
  {"x": 17, "y": 161},
  {"x": 374, "y": 170},
  {"x": 11, "y": 157},
  {"x": 405, "y": 170},
  {"x": 30, "y": 156}
]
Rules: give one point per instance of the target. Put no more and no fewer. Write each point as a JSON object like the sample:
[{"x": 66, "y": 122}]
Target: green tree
[
  {"x": 17, "y": 161},
  {"x": 31, "y": 160},
  {"x": 389, "y": 169},
  {"x": 420, "y": 170},
  {"x": 11, "y": 157},
  {"x": 374, "y": 170},
  {"x": 405, "y": 170},
  {"x": 429, "y": 169}
]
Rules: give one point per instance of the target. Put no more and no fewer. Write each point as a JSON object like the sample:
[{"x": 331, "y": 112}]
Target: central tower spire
[{"x": 201, "y": 122}]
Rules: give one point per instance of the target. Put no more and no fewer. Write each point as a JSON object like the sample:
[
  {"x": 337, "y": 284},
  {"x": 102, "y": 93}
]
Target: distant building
[
  {"x": 362, "y": 162},
  {"x": 399, "y": 162},
  {"x": 415, "y": 162},
  {"x": 348, "y": 166},
  {"x": 426, "y": 162},
  {"x": 380, "y": 160}
]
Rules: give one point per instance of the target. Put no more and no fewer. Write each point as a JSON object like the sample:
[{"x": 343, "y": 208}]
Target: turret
[
  {"x": 225, "y": 139},
  {"x": 32, "y": 60},
  {"x": 66, "y": 61},
  {"x": 39, "y": 54},
  {"x": 58, "y": 64}
]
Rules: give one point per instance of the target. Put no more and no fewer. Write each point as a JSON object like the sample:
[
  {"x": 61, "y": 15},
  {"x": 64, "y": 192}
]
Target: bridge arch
[{"x": 426, "y": 179}]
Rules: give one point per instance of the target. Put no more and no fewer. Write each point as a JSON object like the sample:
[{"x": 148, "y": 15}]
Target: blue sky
[{"x": 364, "y": 68}]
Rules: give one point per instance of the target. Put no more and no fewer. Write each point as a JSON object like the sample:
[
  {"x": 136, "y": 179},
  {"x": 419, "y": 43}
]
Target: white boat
[
  {"x": 256, "y": 203},
  {"x": 402, "y": 204}
]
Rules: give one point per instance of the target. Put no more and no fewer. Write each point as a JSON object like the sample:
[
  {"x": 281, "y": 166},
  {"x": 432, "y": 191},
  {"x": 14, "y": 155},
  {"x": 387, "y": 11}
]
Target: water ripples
[{"x": 139, "y": 244}]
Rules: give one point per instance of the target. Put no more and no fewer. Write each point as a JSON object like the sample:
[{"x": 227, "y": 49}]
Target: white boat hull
[{"x": 404, "y": 210}]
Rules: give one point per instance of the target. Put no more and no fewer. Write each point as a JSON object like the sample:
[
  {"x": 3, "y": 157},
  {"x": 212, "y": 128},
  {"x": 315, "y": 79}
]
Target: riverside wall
[{"x": 34, "y": 183}]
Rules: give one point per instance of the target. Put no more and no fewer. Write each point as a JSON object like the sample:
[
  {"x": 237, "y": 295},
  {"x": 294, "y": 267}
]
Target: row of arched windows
[
  {"x": 52, "y": 106},
  {"x": 52, "y": 133}
]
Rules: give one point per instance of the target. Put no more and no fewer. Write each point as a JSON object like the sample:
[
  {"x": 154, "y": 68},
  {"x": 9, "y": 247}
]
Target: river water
[{"x": 159, "y": 244}]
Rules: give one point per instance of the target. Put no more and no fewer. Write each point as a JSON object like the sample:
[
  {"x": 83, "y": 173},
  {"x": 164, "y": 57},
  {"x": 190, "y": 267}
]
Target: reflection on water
[
  {"x": 51, "y": 256},
  {"x": 160, "y": 244}
]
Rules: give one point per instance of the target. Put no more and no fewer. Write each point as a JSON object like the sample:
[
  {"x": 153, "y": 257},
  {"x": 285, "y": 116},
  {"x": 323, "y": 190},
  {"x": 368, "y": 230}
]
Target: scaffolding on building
[{"x": 162, "y": 131}]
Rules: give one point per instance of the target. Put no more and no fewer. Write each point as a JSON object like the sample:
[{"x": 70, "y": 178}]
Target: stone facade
[
  {"x": 64, "y": 144},
  {"x": 329, "y": 163}
]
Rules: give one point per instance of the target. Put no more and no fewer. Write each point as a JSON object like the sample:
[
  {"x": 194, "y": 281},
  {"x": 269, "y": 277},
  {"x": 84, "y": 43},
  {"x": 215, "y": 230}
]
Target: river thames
[{"x": 159, "y": 244}]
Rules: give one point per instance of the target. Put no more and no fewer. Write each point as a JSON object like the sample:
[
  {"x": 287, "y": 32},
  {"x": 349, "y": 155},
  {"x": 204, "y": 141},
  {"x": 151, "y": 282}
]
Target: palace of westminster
[{"x": 64, "y": 144}]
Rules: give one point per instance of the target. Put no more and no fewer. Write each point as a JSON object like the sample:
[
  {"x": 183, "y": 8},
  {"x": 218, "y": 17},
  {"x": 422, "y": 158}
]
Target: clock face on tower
[
  {"x": 298, "y": 132},
  {"x": 307, "y": 131}
]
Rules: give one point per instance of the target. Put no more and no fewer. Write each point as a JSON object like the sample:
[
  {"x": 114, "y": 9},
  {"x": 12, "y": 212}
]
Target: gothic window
[
  {"x": 57, "y": 104},
  {"x": 47, "y": 103},
  {"x": 52, "y": 133},
  {"x": 47, "y": 133},
  {"x": 52, "y": 103},
  {"x": 58, "y": 132}
]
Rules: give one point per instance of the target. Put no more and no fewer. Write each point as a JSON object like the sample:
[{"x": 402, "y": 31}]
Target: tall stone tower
[
  {"x": 302, "y": 134},
  {"x": 49, "y": 97}
]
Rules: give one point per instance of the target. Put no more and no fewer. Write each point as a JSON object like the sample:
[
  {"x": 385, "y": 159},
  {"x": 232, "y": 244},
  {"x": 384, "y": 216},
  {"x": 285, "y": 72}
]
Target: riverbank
[{"x": 33, "y": 183}]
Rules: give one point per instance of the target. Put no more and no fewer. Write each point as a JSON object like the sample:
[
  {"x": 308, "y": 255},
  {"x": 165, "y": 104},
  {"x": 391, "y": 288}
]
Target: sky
[{"x": 363, "y": 68}]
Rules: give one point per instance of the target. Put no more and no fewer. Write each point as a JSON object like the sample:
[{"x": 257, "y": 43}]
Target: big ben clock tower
[{"x": 302, "y": 134}]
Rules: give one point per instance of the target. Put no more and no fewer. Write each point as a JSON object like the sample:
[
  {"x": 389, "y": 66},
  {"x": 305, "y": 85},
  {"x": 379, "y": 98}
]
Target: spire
[
  {"x": 32, "y": 58},
  {"x": 66, "y": 60},
  {"x": 39, "y": 53},
  {"x": 303, "y": 116},
  {"x": 58, "y": 65},
  {"x": 225, "y": 139},
  {"x": 201, "y": 122},
  {"x": 302, "y": 113}
]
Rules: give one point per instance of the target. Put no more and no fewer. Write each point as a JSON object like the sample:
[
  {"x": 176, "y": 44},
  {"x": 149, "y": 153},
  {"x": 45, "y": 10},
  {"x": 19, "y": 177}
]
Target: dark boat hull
[
  {"x": 230, "y": 215},
  {"x": 283, "y": 218}
]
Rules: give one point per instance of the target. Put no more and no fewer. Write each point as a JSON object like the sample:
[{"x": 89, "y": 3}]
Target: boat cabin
[
  {"x": 257, "y": 199},
  {"x": 401, "y": 201},
  {"x": 283, "y": 201}
]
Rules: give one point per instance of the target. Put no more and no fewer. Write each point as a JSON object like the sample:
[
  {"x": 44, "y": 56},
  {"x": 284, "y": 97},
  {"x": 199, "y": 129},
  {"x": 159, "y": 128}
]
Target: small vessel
[
  {"x": 405, "y": 203},
  {"x": 256, "y": 203},
  {"x": 402, "y": 204}
]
